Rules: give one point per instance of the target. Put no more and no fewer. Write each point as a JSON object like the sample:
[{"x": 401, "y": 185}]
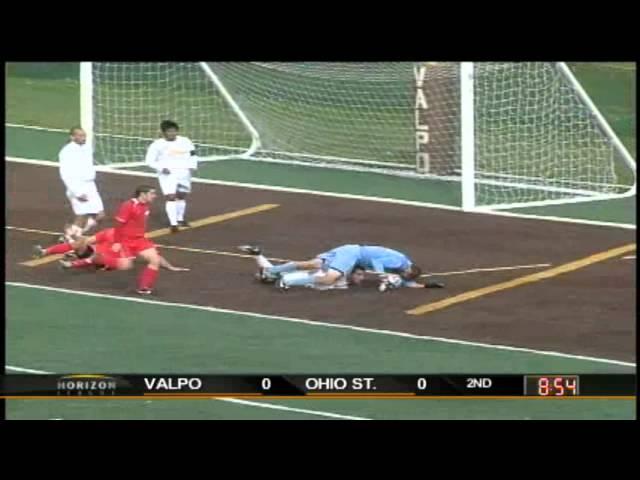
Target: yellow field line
[
  {"x": 41, "y": 261},
  {"x": 534, "y": 277},
  {"x": 276, "y": 259},
  {"x": 166, "y": 231},
  {"x": 217, "y": 219}
]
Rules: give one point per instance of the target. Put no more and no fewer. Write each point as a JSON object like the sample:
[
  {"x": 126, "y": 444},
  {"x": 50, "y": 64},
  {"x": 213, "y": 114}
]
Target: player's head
[
  {"x": 412, "y": 273},
  {"x": 145, "y": 194},
  {"x": 169, "y": 129},
  {"x": 357, "y": 276},
  {"x": 78, "y": 135}
]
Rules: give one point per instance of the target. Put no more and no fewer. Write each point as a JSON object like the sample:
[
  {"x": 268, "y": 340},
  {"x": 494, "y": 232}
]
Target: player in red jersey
[
  {"x": 99, "y": 250},
  {"x": 130, "y": 231}
]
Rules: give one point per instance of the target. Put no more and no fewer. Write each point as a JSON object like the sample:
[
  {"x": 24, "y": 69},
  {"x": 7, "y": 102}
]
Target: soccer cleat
[
  {"x": 184, "y": 223},
  {"x": 282, "y": 286},
  {"x": 144, "y": 291},
  {"x": 250, "y": 249},
  {"x": 65, "y": 264},
  {"x": 264, "y": 277},
  {"x": 433, "y": 284},
  {"x": 174, "y": 229},
  {"x": 39, "y": 252}
]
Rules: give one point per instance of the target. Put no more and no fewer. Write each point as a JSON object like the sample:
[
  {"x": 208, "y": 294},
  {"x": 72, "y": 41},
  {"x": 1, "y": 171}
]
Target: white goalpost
[{"x": 506, "y": 135}]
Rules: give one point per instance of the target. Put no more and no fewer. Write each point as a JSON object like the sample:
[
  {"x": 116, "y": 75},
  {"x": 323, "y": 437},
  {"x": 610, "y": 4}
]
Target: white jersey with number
[{"x": 174, "y": 155}]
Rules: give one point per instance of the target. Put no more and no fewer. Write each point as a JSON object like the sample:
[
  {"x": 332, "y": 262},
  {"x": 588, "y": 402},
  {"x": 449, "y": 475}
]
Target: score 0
[
  {"x": 421, "y": 384},
  {"x": 265, "y": 384}
]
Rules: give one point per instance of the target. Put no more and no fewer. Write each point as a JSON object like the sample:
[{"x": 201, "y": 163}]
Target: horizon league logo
[{"x": 87, "y": 385}]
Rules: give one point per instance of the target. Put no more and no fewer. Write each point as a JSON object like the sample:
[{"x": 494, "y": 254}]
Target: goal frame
[
  {"x": 468, "y": 163},
  {"x": 468, "y": 169},
  {"x": 87, "y": 112}
]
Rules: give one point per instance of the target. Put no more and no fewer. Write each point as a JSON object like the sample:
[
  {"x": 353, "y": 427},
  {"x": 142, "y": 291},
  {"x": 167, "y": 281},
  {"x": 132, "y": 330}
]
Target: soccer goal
[{"x": 506, "y": 134}]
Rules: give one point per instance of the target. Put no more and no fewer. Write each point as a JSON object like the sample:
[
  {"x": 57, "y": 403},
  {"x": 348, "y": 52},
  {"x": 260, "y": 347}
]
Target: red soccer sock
[
  {"x": 147, "y": 278},
  {"x": 83, "y": 262},
  {"x": 60, "y": 248}
]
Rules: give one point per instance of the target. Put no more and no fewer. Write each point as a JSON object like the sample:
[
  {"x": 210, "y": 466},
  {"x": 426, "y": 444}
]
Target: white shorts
[
  {"x": 177, "y": 181},
  {"x": 340, "y": 284},
  {"x": 92, "y": 206}
]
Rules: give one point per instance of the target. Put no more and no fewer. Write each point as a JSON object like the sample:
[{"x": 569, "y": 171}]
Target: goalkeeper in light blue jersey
[{"x": 342, "y": 265}]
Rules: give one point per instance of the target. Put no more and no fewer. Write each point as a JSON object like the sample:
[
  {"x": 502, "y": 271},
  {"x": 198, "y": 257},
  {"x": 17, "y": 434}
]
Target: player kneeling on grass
[
  {"x": 99, "y": 250},
  {"x": 344, "y": 263}
]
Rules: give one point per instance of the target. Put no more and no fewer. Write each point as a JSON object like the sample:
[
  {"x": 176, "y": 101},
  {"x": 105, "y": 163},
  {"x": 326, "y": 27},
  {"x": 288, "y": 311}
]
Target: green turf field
[{"x": 61, "y": 332}]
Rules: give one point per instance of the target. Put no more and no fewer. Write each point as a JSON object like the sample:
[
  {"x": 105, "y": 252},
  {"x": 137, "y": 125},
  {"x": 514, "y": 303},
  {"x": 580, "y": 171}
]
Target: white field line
[
  {"x": 489, "y": 269},
  {"x": 228, "y": 400},
  {"x": 275, "y": 259},
  {"x": 325, "y": 324},
  {"x": 105, "y": 169}
]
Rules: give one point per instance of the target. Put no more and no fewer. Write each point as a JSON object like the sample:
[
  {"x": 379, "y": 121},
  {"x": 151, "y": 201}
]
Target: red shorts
[
  {"x": 105, "y": 236},
  {"x": 106, "y": 255},
  {"x": 108, "y": 249},
  {"x": 132, "y": 248}
]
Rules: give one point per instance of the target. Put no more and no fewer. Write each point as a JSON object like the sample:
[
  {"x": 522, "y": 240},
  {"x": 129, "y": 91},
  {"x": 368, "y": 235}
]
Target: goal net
[{"x": 532, "y": 135}]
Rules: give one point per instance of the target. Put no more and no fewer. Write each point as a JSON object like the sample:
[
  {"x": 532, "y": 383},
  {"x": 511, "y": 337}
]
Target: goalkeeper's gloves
[{"x": 433, "y": 284}]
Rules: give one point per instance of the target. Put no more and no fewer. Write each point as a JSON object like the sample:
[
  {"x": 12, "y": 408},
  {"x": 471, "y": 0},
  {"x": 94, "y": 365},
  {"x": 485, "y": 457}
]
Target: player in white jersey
[
  {"x": 173, "y": 157},
  {"x": 79, "y": 174}
]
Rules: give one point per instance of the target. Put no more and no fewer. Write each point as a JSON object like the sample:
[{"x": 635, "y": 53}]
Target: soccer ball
[
  {"x": 72, "y": 233},
  {"x": 394, "y": 280},
  {"x": 389, "y": 282}
]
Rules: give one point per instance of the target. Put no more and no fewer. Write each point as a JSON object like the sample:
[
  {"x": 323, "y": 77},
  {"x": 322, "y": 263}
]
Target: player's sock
[
  {"x": 263, "y": 262},
  {"x": 91, "y": 222},
  {"x": 82, "y": 263},
  {"x": 181, "y": 206},
  {"x": 58, "y": 249},
  {"x": 147, "y": 278},
  {"x": 299, "y": 279},
  {"x": 171, "y": 213},
  {"x": 284, "y": 268}
]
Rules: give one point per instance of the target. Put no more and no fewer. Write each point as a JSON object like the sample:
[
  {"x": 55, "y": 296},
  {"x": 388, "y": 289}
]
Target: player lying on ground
[
  {"x": 97, "y": 250},
  {"x": 173, "y": 158},
  {"x": 393, "y": 268},
  {"x": 78, "y": 175},
  {"x": 130, "y": 242},
  {"x": 354, "y": 278}
]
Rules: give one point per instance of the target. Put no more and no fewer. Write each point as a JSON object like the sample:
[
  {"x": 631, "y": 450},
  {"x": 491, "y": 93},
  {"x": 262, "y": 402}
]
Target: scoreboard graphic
[{"x": 78, "y": 386}]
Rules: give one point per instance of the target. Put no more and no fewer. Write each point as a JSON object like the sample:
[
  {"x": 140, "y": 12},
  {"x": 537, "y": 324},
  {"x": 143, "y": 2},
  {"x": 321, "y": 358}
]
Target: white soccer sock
[
  {"x": 263, "y": 262},
  {"x": 171, "y": 212},
  {"x": 91, "y": 222},
  {"x": 181, "y": 206}
]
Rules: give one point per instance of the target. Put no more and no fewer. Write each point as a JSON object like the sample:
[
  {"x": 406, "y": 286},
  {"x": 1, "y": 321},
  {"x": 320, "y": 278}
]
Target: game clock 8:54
[{"x": 552, "y": 385}]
